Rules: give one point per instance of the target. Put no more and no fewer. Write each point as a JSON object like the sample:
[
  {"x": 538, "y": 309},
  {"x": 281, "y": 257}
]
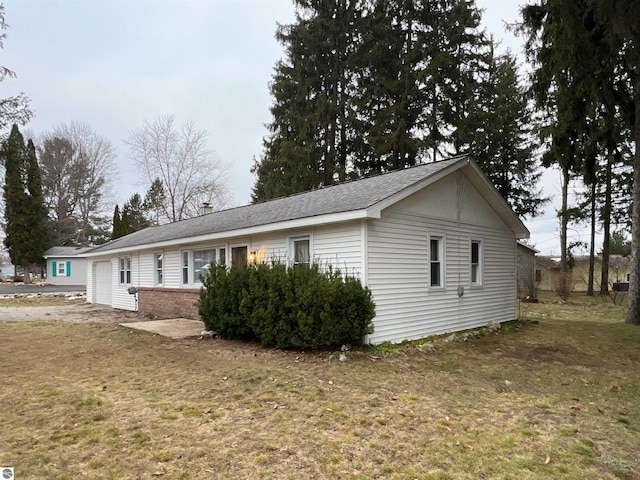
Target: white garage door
[{"x": 102, "y": 275}]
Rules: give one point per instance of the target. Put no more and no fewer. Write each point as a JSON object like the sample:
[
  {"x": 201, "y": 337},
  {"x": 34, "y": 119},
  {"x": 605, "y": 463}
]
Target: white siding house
[
  {"x": 67, "y": 265},
  {"x": 436, "y": 244}
]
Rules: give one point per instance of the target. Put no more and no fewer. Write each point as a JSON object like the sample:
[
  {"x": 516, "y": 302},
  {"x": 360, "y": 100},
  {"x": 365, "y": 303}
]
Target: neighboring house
[
  {"x": 67, "y": 265},
  {"x": 526, "y": 272},
  {"x": 435, "y": 243},
  {"x": 548, "y": 272}
]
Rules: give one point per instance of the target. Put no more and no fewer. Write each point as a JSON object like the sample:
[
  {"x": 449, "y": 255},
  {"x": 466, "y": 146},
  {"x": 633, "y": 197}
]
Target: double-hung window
[
  {"x": 62, "y": 269},
  {"x": 203, "y": 261},
  {"x": 436, "y": 262},
  {"x": 301, "y": 250},
  {"x": 125, "y": 270},
  {"x": 476, "y": 262},
  {"x": 196, "y": 264},
  {"x": 158, "y": 261}
]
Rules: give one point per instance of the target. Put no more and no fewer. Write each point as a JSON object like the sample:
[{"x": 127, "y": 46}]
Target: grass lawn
[{"x": 559, "y": 398}]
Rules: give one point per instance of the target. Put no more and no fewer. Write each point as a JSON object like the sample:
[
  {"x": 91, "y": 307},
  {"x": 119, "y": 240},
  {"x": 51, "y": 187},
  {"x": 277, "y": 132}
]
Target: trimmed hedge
[{"x": 299, "y": 306}]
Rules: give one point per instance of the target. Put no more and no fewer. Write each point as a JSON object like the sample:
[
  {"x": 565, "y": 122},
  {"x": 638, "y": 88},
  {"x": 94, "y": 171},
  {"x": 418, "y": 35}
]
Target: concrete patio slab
[{"x": 173, "y": 328}]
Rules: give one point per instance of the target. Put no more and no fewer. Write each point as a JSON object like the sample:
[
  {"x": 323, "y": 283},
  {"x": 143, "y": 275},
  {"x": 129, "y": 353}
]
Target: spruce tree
[
  {"x": 589, "y": 51},
  {"x": 26, "y": 230},
  {"x": 117, "y": 230},
  {"x": 499, "y": 135},
  {"x": 15, "y": 197},
  {"x": 310, "y": 136},
  {"x": 135, "y": 213},
  {"x": 154, "y": 201},
  {"x": 37, "y": 212}
]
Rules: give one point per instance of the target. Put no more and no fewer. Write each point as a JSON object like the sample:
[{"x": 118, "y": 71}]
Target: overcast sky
[{"x": 115, "y": 63}]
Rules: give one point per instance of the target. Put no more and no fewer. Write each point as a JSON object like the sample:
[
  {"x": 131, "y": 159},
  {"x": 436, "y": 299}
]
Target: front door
[{"x": 239, "y": 257}]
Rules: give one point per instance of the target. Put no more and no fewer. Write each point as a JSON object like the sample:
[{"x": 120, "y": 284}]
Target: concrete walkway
[{"x": 173, "y": 328}]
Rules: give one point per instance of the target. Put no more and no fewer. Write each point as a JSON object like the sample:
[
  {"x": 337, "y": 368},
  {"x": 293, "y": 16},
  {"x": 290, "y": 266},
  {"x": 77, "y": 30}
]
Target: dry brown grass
[
  {"x": 40, "y": 301},
  {"x": 557, "y": 399}
]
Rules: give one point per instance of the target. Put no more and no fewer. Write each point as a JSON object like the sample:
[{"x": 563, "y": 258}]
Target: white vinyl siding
[
  {"x": 407, "y": 307},
  {"x": 339, "y": 246}
]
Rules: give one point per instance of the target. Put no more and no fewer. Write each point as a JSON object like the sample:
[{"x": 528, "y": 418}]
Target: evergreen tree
[
  {"x": 15, "y": 196},
  {"x": 371, "y": 86},
  {"x": 388, "y": 99},
  {"x": 309, "y": 143},
  {"x": 117, "y": 230},
  {"x": 135, "y": 214},
  {"x": 38, "y": 224},
  {"x": 587, "y": 52},
  {"x": 455, "y": 50},
  {"x": 27, "y": 236},
  {"x": 154, "y": 201},
  {"x": 500, "y": 139},
  {"x": 619, "y": 244}
]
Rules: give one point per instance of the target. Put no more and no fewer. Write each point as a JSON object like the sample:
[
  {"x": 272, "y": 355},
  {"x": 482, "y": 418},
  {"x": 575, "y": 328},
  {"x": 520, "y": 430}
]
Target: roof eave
[{"x": 245, "y": 232}]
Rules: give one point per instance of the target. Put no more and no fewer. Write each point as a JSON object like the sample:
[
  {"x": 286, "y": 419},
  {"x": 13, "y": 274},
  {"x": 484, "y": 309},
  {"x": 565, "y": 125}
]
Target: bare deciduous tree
[
  {"x": 78, "y": 170},
  {"x": 179, "y": 157},
  {"x": 13, "y": 109}
]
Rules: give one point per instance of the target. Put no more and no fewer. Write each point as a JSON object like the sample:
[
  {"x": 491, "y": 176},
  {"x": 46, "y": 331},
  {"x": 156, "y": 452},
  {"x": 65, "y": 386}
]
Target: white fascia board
[
  {"x": 376, "y": 210},
  {"x": 244, "y": 232}
]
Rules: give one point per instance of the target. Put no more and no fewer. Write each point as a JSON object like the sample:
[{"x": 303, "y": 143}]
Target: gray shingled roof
[
  {"x": 344, "y": 197},
  {"x": 66, "y": 251}
]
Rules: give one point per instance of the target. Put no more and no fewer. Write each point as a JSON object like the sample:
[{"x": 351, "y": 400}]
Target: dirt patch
[
  {"x": 562, "y": 354},
  {"x": 72, "y": 313}
]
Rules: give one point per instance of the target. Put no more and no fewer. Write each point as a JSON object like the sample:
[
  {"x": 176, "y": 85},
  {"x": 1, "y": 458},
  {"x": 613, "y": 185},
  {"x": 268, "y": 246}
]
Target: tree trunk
[
  {"x": 606, "y": 222},
  {"x": 27, "y": 274},
  {"x": 633, "y": 315},
  {"x": 592, "y": 247},
  {"x": 563, "y": 286}
]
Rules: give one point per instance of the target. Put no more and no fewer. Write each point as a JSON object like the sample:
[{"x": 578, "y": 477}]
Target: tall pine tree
[
  {"x": 498, "y": 135},
  {"x": 370, "y": 86},
  {"x": 26, "y": 230}
]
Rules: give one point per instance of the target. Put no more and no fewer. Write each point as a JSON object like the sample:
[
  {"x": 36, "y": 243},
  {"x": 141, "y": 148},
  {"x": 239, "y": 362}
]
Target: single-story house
[
  {"x": 67, "y": 265},
  {"x": 435, "y": 243},
  {"x": 548, "y": 272},
  {"x": 526, "y": 261}
]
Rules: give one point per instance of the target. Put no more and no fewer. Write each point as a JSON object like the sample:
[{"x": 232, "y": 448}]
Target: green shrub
[
  {"x": 286, "y": 307},
  {"x": 220, "y": 297}
]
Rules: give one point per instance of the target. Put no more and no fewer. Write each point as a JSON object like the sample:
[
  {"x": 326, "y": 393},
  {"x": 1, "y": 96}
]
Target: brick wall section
[{"x": 168, "y": 302}]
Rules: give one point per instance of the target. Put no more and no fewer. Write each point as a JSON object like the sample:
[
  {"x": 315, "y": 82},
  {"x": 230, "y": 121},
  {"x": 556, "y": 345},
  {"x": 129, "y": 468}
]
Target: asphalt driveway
[{"x": 12, "y": 289}]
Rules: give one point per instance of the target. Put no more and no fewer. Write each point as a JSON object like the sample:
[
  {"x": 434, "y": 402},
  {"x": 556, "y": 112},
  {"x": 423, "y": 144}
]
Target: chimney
[{"x": 205, "y": 208}]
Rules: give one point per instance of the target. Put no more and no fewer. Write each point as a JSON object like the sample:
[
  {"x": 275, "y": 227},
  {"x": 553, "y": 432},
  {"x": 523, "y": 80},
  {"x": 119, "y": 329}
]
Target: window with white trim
[
  {"x": 158, "y": 262},
  {"x": 476, "y": 262},
  {"x": 197, "y": 264},
  {"x": 203, "y": 260},
  {"x": 62, "y": 269},
  {"x": 301, "y": 250},
  {"x": 436, "y": 262},
  {"x": 125, "y": 270}
]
